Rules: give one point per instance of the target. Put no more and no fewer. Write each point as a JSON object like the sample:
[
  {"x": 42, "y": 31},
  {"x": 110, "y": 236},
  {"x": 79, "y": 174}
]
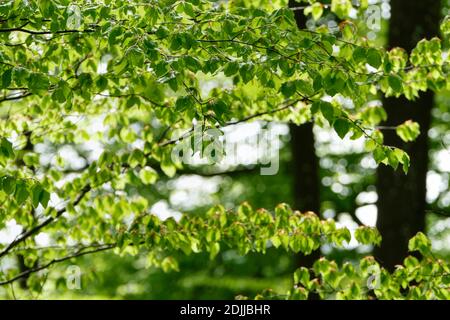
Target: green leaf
[
  {"x": 367, "y": 235},
  {"x": 315, "y": 107},
  {"x": 44, "y": 197},
  {"x": 127, "y": 135},
  {"x": 334, "y": 82},
  {"x": 136, "y": 57},
  {"x": 374, "y": 58},
  {"x": 406, "y": 162},
  {"x": 132, "y": 101},
  {"x": 136, "y": 158},
  {"x": 6, "y": 148},
  {"x": 219, "y": 107},
  {"x": 374, "y": 115},
  {"x": 288, "y": 88},
  {"x": 247, "y": 72},
  {"x": 299, "y": 294},
  {"x": 148, "y": 175},
  {"x": 6, "y": 78},
  {"x": 342, "y": 127},
  {"x": 192, "y": 64},
  {"x": 341, "y": 8},
  {"x": 231, "y": 68},
  {"x": 420, "y": 243},
  {"x": 395, "y": 83},
  {"x": 38, "y": 81},
  {"x": 8, "y": 184},
  {"x": 183, "y": 103},
  {"x": 189, "y": 9},
  {"x": 392, "y": 158},
  {"x": 36, "y": 195},
  {"x": 102, "y": 83},
  {"x": 169, "y": 264},
  {"x": 301, "y": 275},
  {"x": 408, "y": 131},
  {"x": 327, "y": 110},
  {"x": 445, "y": 25},
  {"x": 21, "y": 194},
  {"x": 114, "y": 35},
  {"x": 359, "y": 54},
  {"x": 379, "y": 154},
  {"x": 317, "y": 10},
  {"x": 168, "y": 167},
  {"x": 214, "y": 249},
  {"x": 304, "y": 87}
]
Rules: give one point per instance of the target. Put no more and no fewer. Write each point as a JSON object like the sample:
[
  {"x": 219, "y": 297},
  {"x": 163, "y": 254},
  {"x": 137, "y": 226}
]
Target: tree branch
[
  {"x": 54, "y": 261},
  {"x": 9, "y": 98},
  {"x": 47, "y": 221},
  {"x": 20, "y": 29},
  {"x": 256, "y": 115},
  {"x": 88, "y": 187}
]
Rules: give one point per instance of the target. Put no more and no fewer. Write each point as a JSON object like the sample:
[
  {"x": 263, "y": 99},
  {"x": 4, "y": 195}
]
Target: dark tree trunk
[
  {"x": 402, "y": 198},
  {"x": 305, "y": 168},
  {"x": 305, "y": 171}
]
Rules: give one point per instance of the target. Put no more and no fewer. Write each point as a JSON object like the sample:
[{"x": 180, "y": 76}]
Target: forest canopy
[{"x": 97, "y": 98}]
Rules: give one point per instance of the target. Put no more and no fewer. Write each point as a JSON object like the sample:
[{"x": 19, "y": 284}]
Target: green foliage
[
  {"x": 408, "y": 131},
  {"x": 6, "y": 151},
  {"x": 21, "y": 190},
  {"x": 427, "y": 278},
  {"x": 121, "y": 62}
]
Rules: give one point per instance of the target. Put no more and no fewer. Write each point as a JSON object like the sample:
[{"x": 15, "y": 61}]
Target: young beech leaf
[
  {"x": 44, "y": 198},
  {"x": 35, "y": 195},
  {"x": 408, "y": 131},
  {"x": 315, "y": 107},
  {"x": 231, "y": 68},
  {"x": 21, "y": 193},
  {"x": 301, "y": 276},
  {"x": 420, "y": 243},
  {"x": 183, "y": 103},
  {"x": 395, "y": 83},
  {"x": 359, "y": 54},
  {"x": 8, "y": 184},
  {"x": 6, "y": 148},
  {"x": 219, "y": 107},
  {"x": 392, "y": 158},
  {"x": 342, "y": 127},
  {"x": 405, "y": 161},
  {"x": 6, "y": 78},
  {"x": 379, "y": 154},
  {"x": 247, "y": 72},
  {"x": 374, "y": 58},
  {"x": 316, "y": 10},
  {"x": 148, "y": 175},
  {"x": 168, "y": 167},
  {"x": 288, "y": 89},
  {"x": 327, "y": 110}
]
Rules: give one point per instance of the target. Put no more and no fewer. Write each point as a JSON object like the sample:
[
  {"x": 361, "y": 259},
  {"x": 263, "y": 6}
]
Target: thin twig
[{"x": 54, "y": 261}]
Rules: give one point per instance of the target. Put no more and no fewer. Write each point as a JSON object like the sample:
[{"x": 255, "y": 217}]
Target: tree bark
[
  {"x": 402, "y": 198},
  {"x": 305, "y": 167}
]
